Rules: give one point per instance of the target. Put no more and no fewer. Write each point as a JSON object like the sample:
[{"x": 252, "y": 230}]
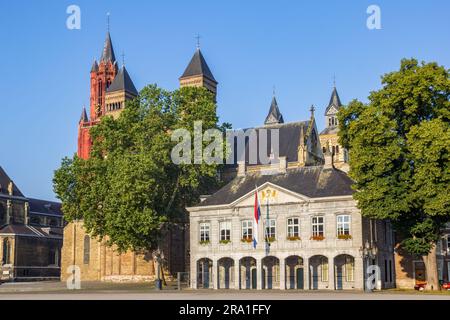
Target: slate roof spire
[
  {"x": 108, "y": 50},
  {"x": 335, "y": 101},
  {"x": 123, "y": 82},
  {"x": 84, "y": 116},
  {"x": 198, "y": 67},
  {"x": 274, "y": 116},
  {"x": 94, "y": 66}
]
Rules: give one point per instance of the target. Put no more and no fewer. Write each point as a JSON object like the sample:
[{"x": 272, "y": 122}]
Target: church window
[
  {"x": 343, "y": 224},
  {"x": 337, "y": 149},
  {"x": 333, "y": 149},
  {"x": 448, "y": 243},
  {"x": 225, "y": 230},
  {"x": 324, "y": 149},
  {"x": 6, "y": 251},
  {"x": 204, "y": 232},
  {"x": 329, "y": 122},
  {"x": 247, "y": 229},
  {"x": 293, "y": 227},
  {"x": 87, "y": 249},
  {"x": 100, "y": 91},
  {"x": 317, "y": 226},
  {"x": 271, "y": 225}
]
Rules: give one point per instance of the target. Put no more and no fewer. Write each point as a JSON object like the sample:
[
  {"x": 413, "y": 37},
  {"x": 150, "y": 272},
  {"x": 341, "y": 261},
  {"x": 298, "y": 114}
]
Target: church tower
[
  {"x": 102, "y": 75},
  {"x": 121, "y": 90},
  {"x": 329, "y": 136},
  {"x": 198, "y": 74},
  {"x": 274, "y": 116},
  {"x": 110, "y": 88}
]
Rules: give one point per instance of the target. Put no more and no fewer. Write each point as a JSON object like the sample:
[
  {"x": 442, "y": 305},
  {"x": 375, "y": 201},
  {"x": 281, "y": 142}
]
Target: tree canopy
[
  {"x": 399, "y": 152},
  {"x": 129, "y": 187}
]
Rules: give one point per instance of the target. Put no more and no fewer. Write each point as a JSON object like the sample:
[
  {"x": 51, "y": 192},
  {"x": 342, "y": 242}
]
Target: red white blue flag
[{"x": 256, "y": 218}]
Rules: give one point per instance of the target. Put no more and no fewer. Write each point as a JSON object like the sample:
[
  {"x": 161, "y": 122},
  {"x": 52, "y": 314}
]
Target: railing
[{"x": 20, "y": 273}]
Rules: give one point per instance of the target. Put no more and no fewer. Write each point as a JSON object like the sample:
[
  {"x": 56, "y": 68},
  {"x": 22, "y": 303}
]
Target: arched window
[
  {"x": 6, "y": 251},
  {"x": 100, "y": 92},
  {"x": 87, "y": 249},
  {"x": 337, "y": 149},
  {"x": 324, "y": 149}
]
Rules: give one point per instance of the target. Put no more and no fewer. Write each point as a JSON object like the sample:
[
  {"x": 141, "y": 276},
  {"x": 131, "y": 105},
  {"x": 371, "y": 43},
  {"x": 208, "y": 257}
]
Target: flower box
[
  {"x": 247, "y": 240},
  {"x": 344, "y": 236},
  {"x": 224, "y": 241},
  {"x": 317, "y": 238},
  {"x": 204, "y": 242},
  {"x": 293, "y": 238},
  {"x": 270, "y": 239}
]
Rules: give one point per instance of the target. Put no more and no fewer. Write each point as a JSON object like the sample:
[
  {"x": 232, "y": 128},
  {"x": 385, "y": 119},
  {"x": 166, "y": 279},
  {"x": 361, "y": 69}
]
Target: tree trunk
[{"x": 431, "y": 269}]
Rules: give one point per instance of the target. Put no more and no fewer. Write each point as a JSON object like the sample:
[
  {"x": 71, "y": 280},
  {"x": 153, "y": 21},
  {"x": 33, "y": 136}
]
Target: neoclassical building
[{"x": 311, "y": 234}]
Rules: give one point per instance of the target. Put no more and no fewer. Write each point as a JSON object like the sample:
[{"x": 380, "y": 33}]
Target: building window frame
[
  {"x": 343, "y": 225},
  {"x": 293, "y": 227},
  {"x": 225, "y": 231},
  {"x": 324, "y": 271},
  {"x": 318, "y": 226},
  {"x": 205, "y": 232},
  {"x": 270, "y": 230},
  {"x": 247, "y": 230}
]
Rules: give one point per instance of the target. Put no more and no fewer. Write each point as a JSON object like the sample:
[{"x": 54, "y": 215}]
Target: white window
[
  {"x": 343, "y": 224},
  {"x": 349, "y": 269},
  {"x": 324, "y": 269},
  {"x": 225, "y": 230},
  {"x": 317, "y": 226},
  {"x": 204, "y": 232},
  {"x": 293, "y": 227},
  {"x": 448, "y": 243},
  {"x": 247, "y": 229},
  {"x": 271, "y": 225}
]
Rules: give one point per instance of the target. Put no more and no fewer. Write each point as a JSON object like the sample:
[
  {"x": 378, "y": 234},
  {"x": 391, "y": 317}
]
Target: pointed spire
[
  {"x": 335, "y": 101},
  {"x": 94, "y": 66},
  {"x": 84, "y": 116},
  {"x": 108, "y": 51},
  {"x": 123, "y": 82},
  {"x": 274, "y": 116},
  {"x": 198, "y": 67}
]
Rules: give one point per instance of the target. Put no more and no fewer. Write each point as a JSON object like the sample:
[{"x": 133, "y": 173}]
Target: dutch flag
[{"x": 256, "y": 218}]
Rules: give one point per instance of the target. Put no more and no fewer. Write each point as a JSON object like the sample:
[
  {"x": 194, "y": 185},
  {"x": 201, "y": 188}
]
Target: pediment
[{"x": 272, "y": 193}]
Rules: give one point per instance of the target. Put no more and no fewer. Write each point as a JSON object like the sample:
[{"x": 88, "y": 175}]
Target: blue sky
[{"x": 250, "y": 46}]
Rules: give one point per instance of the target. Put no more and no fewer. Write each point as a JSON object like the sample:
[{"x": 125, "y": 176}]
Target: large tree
[
  {"x": 399, "y": 155},
  {"x": 130, "y": 189}
]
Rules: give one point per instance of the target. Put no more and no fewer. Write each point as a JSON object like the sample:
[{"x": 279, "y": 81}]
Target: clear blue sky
[{"x": 250, "y": 46}]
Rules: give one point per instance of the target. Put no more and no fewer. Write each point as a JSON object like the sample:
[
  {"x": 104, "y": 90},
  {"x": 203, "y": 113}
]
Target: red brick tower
[{"x": 102, "y": 75}]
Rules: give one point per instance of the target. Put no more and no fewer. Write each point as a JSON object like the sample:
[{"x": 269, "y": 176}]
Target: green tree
[
  {"x": 399, "y": 155},
  {"x": 129, "y": 190}
]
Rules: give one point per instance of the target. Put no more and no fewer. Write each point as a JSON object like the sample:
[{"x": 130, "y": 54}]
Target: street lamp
[
  {"x": 368, "y": 252},
  {"x": 158, "y": 256}
]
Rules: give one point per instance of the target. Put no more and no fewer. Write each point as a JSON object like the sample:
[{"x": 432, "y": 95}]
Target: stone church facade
[
  {"x": 111, "y": 88},
  {"x": 30, "y": 235}
]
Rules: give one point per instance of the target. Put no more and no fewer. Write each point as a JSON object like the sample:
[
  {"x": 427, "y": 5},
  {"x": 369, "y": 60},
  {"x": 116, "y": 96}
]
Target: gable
[{"x": 269, "y": 193}]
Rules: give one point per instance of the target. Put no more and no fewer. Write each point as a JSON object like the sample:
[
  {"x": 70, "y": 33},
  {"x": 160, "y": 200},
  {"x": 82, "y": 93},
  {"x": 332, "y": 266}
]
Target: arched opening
[
  {"x": 344, "y": 265},
  {"x": 248, "y": 273},
  {"x": 204, "y": 272},
  {"x": 86, "y": 249},
  {"x": 318, "y": 272},
  {"x": 226, "y": 273},
  {"x": 6, "y": 259},
  {"x": 271, "y": 273},
  {"x": 294, "y": 273}
]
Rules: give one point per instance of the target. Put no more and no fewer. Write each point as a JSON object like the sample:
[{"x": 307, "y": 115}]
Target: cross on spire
[
  {"x": 198, "y": 41},
  {"x": 312, "y": 110},
  {"x": 123, "y": 58}
]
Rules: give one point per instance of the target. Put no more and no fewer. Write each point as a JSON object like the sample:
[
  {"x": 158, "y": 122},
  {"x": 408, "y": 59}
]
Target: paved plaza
[{"x": 145, "y": 291}]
